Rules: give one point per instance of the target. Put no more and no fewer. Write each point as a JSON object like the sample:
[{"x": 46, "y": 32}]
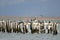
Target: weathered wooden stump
[
  {"x": 25, "y": 29},
  {"x": 42, "y": 29},
  {"x": 3, "y": 26},
  {"x": 0, "y": 26},
  {"x": 9, "y": 26},
  {"x": 55, "y": 31},
  {"x": 15, "y": 27},
  {"x": 35, "y": 25}
]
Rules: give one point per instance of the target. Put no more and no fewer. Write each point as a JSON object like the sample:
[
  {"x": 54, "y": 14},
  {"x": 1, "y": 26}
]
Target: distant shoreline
[{"x": 28, "y": 18}]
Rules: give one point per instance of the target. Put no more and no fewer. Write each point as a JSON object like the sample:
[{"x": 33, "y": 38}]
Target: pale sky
[{"x": 29, "y": 7}]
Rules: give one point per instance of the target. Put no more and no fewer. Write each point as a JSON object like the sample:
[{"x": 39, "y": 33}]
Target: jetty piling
[{"x": 35, "y": 26}]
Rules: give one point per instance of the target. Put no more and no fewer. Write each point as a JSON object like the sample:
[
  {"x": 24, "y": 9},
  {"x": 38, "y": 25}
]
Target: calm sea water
[{"x": 29, "y": 36}]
